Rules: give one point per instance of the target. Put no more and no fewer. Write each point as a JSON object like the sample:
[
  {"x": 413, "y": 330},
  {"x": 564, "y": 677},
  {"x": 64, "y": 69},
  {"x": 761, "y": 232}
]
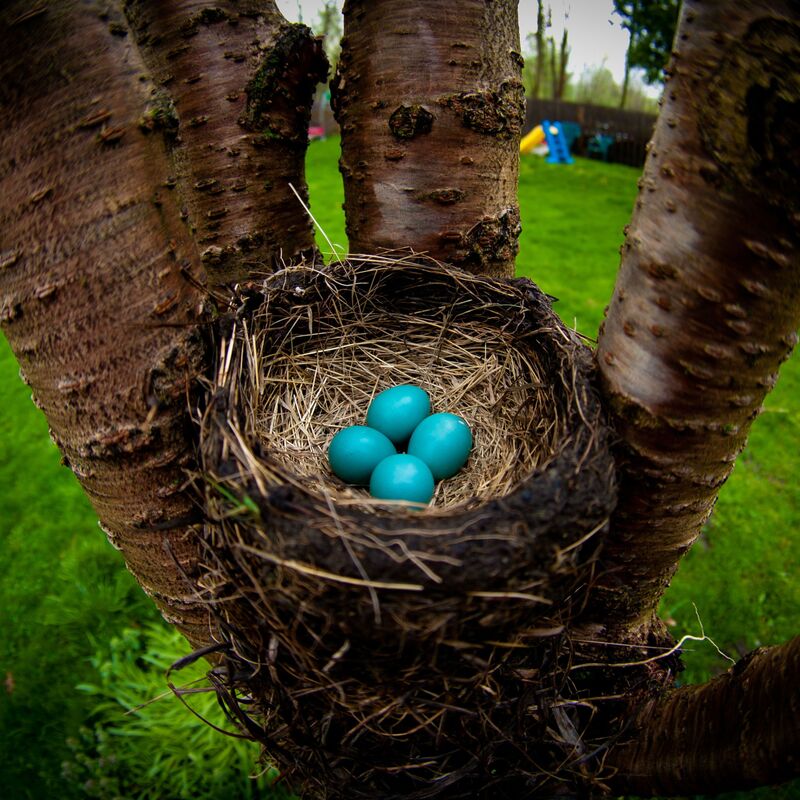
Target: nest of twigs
[{"x": 394, "y": 652}]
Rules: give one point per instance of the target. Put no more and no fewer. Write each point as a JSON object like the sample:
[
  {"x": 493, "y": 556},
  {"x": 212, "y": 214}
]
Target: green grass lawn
[
  {"x": 59, "y": 581},
  {"x": 742, "y": 575},
  {"x": 72, "y": 616}
]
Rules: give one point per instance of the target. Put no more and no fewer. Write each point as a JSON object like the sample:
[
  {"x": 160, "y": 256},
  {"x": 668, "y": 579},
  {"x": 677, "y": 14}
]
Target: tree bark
[
  {"x": 430, "y": 103},
  {"x": 737, "y": 731},
  {"x": 707, "y": 301},
  {"x": 236, "y": 82},
  {"x": 100, "y": 276}
]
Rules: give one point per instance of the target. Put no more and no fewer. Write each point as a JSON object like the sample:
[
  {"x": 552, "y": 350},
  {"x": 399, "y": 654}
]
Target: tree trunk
[
  {"x": 237, "y": 82},
  {"x": 736, "y": 732},
  {"x": 625, "y": 80},
  {"x": 538, "y": 75},
  {"x": 707, "y": 300},
  {"x": 99, "y": 273},
  {"x": 562, "y": 65},
  {"x": 430, "y": 103}
]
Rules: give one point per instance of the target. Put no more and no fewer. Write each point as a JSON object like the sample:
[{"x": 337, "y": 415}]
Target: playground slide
[{"x": 532, "y": 140}]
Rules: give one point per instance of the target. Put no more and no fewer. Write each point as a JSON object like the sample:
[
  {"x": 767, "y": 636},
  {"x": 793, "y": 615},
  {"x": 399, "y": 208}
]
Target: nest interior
[
  {"x": 321, "y": 379},
  {"x": 395, "y": 652}
]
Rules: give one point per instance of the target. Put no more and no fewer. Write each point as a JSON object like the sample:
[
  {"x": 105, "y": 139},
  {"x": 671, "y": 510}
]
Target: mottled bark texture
[
  {"x": 737, "y": 731},
  {"x": 707, "y": 300},
  {"x": 430, "y": 103},
  {"x": 107, "y": 175},
  {"x": 96, "y": 282},
  {"x": 234, "y": 88}
]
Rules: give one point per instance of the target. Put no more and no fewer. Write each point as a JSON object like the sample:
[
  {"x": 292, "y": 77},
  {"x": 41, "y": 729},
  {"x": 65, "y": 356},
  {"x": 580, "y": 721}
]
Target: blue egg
[
  {"x": 355, "y": 451},
  {"x": 402, "y": 477},
  {"x": 443, "y": 442},
  {"x": 397, "y": 411}
]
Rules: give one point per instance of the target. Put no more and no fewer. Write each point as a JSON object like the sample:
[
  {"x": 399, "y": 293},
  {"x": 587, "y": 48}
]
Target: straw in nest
[{"x": 400, "y": 653}]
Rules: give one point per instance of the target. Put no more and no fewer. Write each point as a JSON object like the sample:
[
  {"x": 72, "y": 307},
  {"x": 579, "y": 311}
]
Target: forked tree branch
[
  {"x": 707, "y": 300},
  {"x": 97, "y": 285},
  {"x": 234, "y": 83},
  {"x": 100, "y": 265}
]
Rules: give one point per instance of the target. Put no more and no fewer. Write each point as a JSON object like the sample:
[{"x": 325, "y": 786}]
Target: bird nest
[{"x": 395, "y": 652}]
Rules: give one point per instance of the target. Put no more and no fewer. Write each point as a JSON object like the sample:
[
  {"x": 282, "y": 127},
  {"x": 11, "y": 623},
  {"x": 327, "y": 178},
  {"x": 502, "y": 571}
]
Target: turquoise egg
[
  {"x": 355, "y": 451},
  {"x": 443, "y": 442},
  {"x": 402, "y": 477},
  {"x": 397, "y": 411}
]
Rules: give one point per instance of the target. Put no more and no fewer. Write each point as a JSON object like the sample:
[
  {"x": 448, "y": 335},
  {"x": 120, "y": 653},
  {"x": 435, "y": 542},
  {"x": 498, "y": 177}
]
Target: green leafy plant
[{"x": 142, "y": 743}]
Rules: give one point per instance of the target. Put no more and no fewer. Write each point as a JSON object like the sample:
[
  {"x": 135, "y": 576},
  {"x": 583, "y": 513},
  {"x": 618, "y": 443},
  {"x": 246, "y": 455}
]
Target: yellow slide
[{"x": 532, "y": 140}]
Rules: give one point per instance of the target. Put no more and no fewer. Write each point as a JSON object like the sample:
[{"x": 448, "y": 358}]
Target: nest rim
[
  {"x": 305, "y": 587},
  {"x": 227, "y": 399}
]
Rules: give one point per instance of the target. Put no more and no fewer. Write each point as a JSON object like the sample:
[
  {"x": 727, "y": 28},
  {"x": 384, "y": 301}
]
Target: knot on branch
[{"x": 406, "y": 122}]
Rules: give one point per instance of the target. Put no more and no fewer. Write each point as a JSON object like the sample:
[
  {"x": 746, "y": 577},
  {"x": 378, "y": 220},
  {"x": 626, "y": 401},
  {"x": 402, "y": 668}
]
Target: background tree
[
  {"x": 538, "y": 42},
  {"x": 651, "y": 25},
  {"x": 156, "y": 142},
  {"x": 545, "y": 73},
  {"x": 559, "y": 59},
  {"x": 329, "y": 26},
  {"x": 596, "y": 85}
]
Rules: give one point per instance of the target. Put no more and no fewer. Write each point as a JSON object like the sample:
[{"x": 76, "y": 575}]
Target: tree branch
[
  {"x": 737, "y": 731},
  {"x": 430, "y": 102},
  {"x": 101, "y": 281},
  {"x": 235, "y": 83},
  {"x": 707, "y": 300},
  {"x": 98, "y": 283}
]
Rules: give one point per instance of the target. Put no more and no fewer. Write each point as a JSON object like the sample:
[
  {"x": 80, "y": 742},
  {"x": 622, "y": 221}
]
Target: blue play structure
[
  {"x": 556, "y": 143},
  {"x": 599, "y": 145}
]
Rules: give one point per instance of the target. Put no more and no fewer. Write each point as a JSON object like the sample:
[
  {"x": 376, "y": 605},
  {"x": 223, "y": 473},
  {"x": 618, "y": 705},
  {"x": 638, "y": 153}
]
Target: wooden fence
[{"x": 631, "y": 130}]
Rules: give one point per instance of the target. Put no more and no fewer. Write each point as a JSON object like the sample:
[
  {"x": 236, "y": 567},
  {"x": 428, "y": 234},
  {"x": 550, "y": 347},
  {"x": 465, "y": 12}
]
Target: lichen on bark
[
  {"x": 406, "y": 122},
  {"x": 271, "y": 90},
  {"x": 240, "y": 79},
  {"x": 498, "y": 113},
  {"x": 751, "y": 119},
  {"x": 404, "y": 140}
]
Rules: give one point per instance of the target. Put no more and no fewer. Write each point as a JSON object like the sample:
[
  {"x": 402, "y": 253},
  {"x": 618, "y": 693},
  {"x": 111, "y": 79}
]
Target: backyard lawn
[{"x": 82, "y": 643}]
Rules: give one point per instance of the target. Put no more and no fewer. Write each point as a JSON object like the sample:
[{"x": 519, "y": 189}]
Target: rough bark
[
  {"x": 707, "y": 300},
  {"x": 235, "y": 84},
  {"x": 99, "y": 271},
  {"x": 737, "y": 731},
  {"x": 430, "y": 103},
  {"x": 96, "y": 284}
]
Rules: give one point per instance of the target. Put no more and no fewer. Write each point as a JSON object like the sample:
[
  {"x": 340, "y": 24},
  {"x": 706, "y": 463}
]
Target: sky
[{"x": 595, "y": 34}]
